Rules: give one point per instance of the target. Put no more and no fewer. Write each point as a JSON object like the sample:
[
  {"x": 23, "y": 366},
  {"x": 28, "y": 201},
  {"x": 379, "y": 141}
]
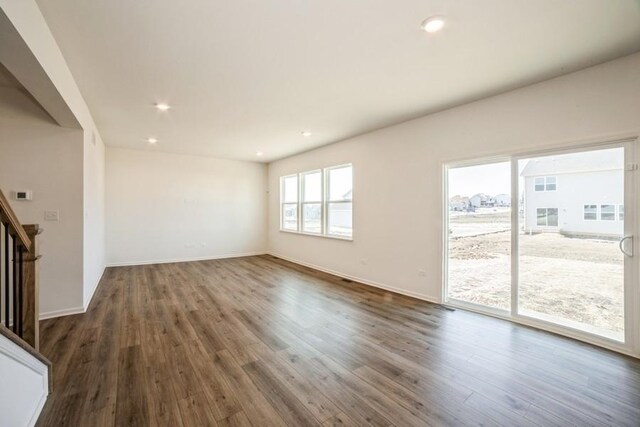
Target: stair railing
[{"x": 19, "y": 293}]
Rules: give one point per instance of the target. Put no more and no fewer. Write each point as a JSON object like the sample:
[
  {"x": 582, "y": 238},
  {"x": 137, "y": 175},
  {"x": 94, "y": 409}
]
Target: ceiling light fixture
[
  {"x": 306, "y": 133},
  {"x": 152, "y": 140},
  {"x": 433, "y": 24},
  {"x": 259, "y": 153},
  {"x": 162, "y": 106}
]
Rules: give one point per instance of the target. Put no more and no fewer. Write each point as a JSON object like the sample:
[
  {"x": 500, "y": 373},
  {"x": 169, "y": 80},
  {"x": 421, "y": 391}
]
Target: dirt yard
[{"x": 575, "y": 280}]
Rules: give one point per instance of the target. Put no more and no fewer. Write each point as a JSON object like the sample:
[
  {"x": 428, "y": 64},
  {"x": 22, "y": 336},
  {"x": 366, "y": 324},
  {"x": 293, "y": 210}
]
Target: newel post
[{"x": 31, "y": 289}]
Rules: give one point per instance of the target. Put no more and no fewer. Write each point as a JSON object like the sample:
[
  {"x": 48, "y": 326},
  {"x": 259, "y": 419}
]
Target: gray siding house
[{"x": 575, "y": 194}]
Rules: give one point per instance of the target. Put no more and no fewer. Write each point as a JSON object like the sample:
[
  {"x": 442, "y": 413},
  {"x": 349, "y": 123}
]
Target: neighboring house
[
  {"x": 459, "y": 203},
  {"x": 502, "y": 200},
  {"x": 578, "y": 193},
  {"x": 479, "y": 200}
]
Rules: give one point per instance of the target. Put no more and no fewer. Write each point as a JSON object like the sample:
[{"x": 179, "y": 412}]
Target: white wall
[
  {"x": 94, "y": 214},
  {"x": 26, "y": 18},
  {"x": 169, "y": 207},
  {"x": 398, "y": 212},
  {"x": 37, "y": 154}
]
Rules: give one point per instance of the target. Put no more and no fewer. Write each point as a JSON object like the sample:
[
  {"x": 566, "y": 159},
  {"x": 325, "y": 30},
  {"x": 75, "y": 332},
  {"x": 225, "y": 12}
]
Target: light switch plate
[{"x": 51, "y": 216}]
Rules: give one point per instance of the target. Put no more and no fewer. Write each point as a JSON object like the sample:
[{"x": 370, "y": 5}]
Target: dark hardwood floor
[{"x": 261, "y": 342}]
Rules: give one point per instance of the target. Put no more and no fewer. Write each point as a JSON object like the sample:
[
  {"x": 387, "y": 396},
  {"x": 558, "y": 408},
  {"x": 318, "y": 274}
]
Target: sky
[{"x": 491, "y": 179}]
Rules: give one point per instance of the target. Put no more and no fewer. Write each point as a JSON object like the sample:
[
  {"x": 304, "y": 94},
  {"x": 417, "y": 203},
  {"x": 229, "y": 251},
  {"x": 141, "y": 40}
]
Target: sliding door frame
[{"x": 631, "y": 344}]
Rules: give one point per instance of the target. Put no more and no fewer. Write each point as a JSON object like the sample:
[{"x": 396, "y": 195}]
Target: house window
[
  {"x": 590, "y": 212},
  {"x": 339, "y": 203},
  {"x": 550, "y": 183},
  {"x": 547, "y": 217},
  {"x": 322, "y": 199},
  {"x": 621, "y": 212},
  {"x": 312, "y": 202},
  {"x": 545, "y": 183},
  {"x": 289, "y": 200},
  {"x": 607, "y": 212}
]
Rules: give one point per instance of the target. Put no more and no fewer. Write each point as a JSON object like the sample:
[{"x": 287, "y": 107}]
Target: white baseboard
[
  {"x": 169, "y": 261},
  {"x": 60, "y": 313},
  {"x": 87, "y": 301},
  {"x": 404, "y": 292}
]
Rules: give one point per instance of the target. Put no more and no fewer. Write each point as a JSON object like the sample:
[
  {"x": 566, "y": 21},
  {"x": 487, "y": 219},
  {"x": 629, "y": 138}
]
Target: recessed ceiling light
[
  {"x": 162, "y": 106},
  {"x": 152, "y": 140},
  {"x": 306, "y": 133},
  {"x": 259, "y": 153},
  {"x": 433, "y": 24}
]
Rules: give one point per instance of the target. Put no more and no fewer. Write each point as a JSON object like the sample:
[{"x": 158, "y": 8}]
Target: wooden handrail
[
  {"x": 19, "y": 297},
  {"x": 9, "y": 217}
]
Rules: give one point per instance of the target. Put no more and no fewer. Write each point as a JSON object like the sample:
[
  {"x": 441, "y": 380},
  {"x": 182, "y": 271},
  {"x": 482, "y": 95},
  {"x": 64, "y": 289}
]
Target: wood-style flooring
[{"x": 262, "y": 342}]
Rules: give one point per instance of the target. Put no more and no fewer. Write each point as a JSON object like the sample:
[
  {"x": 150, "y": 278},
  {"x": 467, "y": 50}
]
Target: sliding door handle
[{"x": 621, "y": 245}]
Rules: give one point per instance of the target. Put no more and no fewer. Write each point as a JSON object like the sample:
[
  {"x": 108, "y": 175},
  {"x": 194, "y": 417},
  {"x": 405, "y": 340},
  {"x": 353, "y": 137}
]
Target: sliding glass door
[
  {"x": 479, "y": 235},
  {"x": 558, "y": 255},
  {"x": 570, "y": 265}
]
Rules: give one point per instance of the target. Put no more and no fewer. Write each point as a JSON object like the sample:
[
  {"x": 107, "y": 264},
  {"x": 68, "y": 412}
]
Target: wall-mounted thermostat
[{"x": 23, "y": 195}]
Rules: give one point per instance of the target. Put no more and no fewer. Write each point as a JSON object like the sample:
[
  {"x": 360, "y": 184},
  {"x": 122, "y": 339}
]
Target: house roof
[{"x": 588, "y": 161}]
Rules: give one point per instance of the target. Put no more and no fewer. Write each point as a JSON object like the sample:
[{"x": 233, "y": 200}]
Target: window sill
[{"x": 326, "y": 236}]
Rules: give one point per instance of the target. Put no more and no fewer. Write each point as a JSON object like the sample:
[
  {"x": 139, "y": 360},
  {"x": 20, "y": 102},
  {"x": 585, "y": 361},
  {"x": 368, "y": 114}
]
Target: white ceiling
[{"x": 249, "y": 75}]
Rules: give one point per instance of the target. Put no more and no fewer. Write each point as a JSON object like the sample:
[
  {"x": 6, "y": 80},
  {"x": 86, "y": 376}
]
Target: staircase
[{"x": 24, "y": 372}]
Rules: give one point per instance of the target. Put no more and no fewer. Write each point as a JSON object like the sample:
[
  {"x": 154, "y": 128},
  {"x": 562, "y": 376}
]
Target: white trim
[
  {"x": 324, "y": 202},
  {"x": 326, "y": 236},
  {"x": 546, "y": 226},
  {"x": 85, "y": 307},
  {"x": 544, "y": 183},
  {"x": 63, "y": 312},
  {"x": 43, "y": 400},
  {"x": 631, "y": 346},
  {"x": 378, "y": 285},
  {"x": 190, "y": 259},
  {"x": 21, "y": 356},
  {"x": 545, "y": 326},
  {"x": 87, "y": 301}
]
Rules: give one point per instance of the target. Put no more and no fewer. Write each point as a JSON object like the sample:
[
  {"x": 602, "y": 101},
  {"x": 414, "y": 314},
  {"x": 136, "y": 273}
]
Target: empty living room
[{"x": 319, "y": 213}]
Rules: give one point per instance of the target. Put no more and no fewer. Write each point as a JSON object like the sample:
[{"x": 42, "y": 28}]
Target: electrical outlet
[{"x": 422, "y": 273}]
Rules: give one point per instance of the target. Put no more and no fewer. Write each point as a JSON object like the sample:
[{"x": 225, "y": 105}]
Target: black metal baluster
[
  {"x": 20, "y": 289},
  {"x": 6, "y": 275},
  {"x": 15, "y": 285}
]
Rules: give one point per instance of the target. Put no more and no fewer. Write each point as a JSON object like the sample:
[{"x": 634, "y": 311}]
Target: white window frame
[
  {"x": 325, "y": 191},
  {"x": 283, "y": 203},
  {"x": 631, "y": 344},
  {"x": 327, "y": 200},
  {"x": 302, "y": 178},
  {"x": 614, "y": 213},
  {"x": 545, "y": 184},
  {"x": 584, "y": 211},
  {"x": 546, "y": 218}
]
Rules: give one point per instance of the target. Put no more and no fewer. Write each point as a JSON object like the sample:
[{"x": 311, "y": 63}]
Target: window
[
  {"x": 545, "y": 183},
  {"x": 312, "y": 202},
  {"x": 590, "y": 212},
  {"x": 607, "y": 212},
  {"x": 289, "y": 197},
  {"x": 550, "y": 183},
  {"x": 322, "y": 199},
  {"x": 547, "y": 217},
  {"x": 339, "y": 201},
  {"x": 621, "y": 212}
]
